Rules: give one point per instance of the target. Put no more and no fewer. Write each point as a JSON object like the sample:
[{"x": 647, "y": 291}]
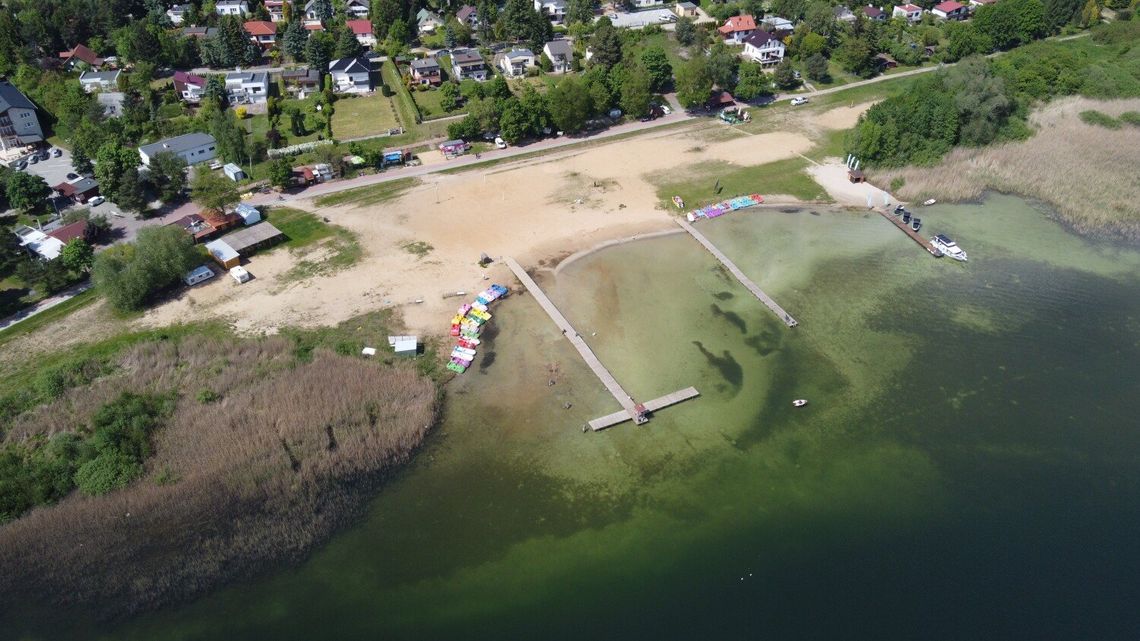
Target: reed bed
[
  {"x": 1086, "y": 172},
  {"x": 278, "y": 455}
]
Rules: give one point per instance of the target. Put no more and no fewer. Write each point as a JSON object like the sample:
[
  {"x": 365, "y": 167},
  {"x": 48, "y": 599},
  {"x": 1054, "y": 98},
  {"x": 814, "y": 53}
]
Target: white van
[{"x": 239, "y": 274}]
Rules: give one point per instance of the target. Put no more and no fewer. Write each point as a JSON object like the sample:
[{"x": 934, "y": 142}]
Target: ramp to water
[
  {"x": 735, "y": 271},
  {"x": 630, "y": 409}
]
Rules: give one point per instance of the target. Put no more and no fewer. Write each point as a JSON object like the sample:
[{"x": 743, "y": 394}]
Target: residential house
[
  {"x": 362, "y": 29},
  {"x": 93, "y": 81},
  {"x": 777, "y": 26},
  {"x": 189, "y": 86},
  {"x": 843, "y": 14},
  {"x": 686, "y": 10},
  {"x": 885, "y": 61},
  {"x": 554, "y": 10},
  {"x": 908, "y": 12},
  {"x": 515, "y": 62},
  {"x": 177, "y": 13},
  {"x": 981, "y": 3},
  {"x": 314, "y": 26},
  {"x": 356, "y": 9},
  {"x": 204, "y": 33},
  {"x": 81, "y": 54},
  {"x": 764, "y": 47},
  {"x": 263, "y": 33},
  {"x": 468, "y": 65},
  {"x": 951, "y": 10},
  {"x": 426, "y": 71},
  {"x": 193, "y": 148},
  {"x": 231, "y": 8},
  {"x": 646, "y": 4},
  {"x": 561, "y": 54},
  {"x": 49, "y": 245},
  {"x": 736, "y": 29},
  {"x": 80, "y": 190},
  {"x": 206, "y": 224},
  {"x": 468, "y": 15},
  {"x": 19, "y": 125},
  {"x": 428, "y": 21},
  {"x": 276, "y": 9},
  {"x": 306, "y": 80},
  {"x": 248, "y": 87},
  {"x": 874, "y": 13},
  {"x": 351, "y": 75}
]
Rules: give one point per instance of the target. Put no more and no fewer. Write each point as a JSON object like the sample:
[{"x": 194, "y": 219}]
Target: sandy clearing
[
  {"x": 842, "y": 117},
  {"x": 537, "y": 211},
  {"x": 832, "y": 176}
]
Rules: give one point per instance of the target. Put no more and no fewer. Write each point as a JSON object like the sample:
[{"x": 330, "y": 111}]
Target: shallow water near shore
[{"x": 970, "y": 458}]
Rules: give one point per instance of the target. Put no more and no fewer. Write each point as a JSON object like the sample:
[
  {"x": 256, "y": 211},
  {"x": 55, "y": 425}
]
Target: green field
[
  {"x": 780, "y": 177},
  {"x": 360, "y": 116},
  {"x": 305, "y": 231},
  {"x": 429, "y": 104}
]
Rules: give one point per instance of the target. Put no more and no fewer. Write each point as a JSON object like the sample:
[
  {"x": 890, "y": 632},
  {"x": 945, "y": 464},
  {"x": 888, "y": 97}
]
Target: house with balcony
[
  {"x": 515, "y": 62},
  {"x": 247, "y": 87},
  {"x": 362, "y": 30},
  {"x": 351, "y": 75},
  {"x": 909, "y": 12},
  {"x": 554, "y": 10},
  {"x": 764, "y": 48},
  {"x": 276, "y": 9},
  {"x": 874, "y": 13},
  {"x": 427, "y": 21},
  {"x": 263, "y": 33},
  {"x": 79, "y": 54},
  {"x": 736, "y": 29},
  {"x": 356, "y": 9},
  {"x": 237, "y": 8},
  {"x": 426, "y": 71},
  {"x": 468, "y": 15},
  {"x": 177, "y": 13},
  {"x": 193, "y": 148},
  {"x": 19, "y": 126},
  {"x": 843, "y": 14},
  {"x": 951, "y": 10},
  {"x": 561, "y": 55},
  {"x": 189, "y": 87},
  {"x": 301, "y": 80},
  {"x": 93, "y": 81},
  {"x": 468, "y": 65},
  {"x": 202, "y": 33}
]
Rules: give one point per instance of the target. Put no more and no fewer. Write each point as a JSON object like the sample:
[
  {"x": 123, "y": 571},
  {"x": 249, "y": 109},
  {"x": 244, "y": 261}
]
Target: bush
[
  {"x": 109, "y": 471},
  {"x": 1100, "y": 119},
  {"x": 131, "y": 274},
  {"x": 1131, "y": 117}
]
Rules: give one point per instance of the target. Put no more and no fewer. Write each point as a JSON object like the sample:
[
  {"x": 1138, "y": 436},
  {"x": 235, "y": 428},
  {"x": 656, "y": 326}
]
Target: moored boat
[
  {"x": 948, "y": 247},
  {"x": 929, "y": 202},
  {"x": 799, "y": 402}
]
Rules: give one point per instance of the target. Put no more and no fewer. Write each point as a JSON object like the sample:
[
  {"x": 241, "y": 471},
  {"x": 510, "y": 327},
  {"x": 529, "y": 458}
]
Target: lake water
[{"x": 968, "y": 467}]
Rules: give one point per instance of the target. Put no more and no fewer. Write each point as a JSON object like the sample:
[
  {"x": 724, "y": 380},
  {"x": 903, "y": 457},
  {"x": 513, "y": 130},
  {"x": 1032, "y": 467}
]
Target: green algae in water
[{"x": 968, "y": 461}]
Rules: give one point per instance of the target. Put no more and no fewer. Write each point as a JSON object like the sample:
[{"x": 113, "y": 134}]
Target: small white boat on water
[
  {"x": 929, "y": 202},
  {"x": 799, "y": 402},
  {"x": 942, "y": 243}
]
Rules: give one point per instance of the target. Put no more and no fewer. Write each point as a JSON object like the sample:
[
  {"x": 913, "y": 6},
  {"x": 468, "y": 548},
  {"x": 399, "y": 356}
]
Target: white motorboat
[
  {"x": 799, "y": 402},
  {"x": 948, "y": 247},
  {"x": 929, "y": 202}
]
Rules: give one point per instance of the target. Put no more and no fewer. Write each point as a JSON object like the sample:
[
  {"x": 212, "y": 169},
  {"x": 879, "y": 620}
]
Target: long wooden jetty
[
  {"x": 631, "y": 409},
  {"x": 906, "y": 229},
  {"x": 735, "y": 271}
]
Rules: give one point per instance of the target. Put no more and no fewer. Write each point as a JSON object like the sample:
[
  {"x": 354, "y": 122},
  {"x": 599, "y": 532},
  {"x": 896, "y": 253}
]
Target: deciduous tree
[
  {"x": 213, "y": 190},
  {"x": 27, "y": 192},
  {"x": 569, "y": 104},
  {"x": 694, "y": 83},
  {"x": 656, "y": 64}
]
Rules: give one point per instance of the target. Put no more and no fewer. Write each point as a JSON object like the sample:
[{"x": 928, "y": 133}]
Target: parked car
[
  {"x": 96, "y": 201},
  {"x": 57, "y": 152},
  {"x": 22, "y": 165},
  {"x": 72, "y": 176},
  {"x": 500, "y": 143},
  {"x": 799, "y": 101},
  {"x": 33, "y": 160}
]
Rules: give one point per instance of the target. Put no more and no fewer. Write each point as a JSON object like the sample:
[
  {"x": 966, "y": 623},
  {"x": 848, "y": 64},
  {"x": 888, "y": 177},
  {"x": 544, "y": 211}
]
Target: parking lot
[{"x": 643, "y": 18}]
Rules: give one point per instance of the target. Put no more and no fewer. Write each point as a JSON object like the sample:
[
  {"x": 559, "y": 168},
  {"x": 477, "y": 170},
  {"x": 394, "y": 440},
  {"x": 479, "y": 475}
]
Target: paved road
[{"x": 44, "y": 305}]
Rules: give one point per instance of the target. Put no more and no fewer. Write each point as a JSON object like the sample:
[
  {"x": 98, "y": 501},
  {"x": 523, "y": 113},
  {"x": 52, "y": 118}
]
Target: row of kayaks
[
  {"x": 468, "y": 323},
  {"x": 725, "y": 206}
]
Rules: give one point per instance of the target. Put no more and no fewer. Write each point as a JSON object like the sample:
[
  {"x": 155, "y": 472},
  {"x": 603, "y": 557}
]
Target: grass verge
[
  {"x": 370, "y": 195},
  {"x": 48, "y": 316},
  {"x": 715, "y": 181}
]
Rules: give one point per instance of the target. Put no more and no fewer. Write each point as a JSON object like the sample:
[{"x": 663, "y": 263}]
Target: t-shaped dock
[{"x": 631, "y": 410}]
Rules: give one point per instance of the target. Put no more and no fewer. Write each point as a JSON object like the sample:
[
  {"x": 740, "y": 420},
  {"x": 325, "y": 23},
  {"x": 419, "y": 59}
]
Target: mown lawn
[
  {"x": 359, "y": 116},
  {"x": 429, "y": 104},
  {"x": 716, "y": 181},
  {"x": 305, "y": 231},
  {"x": 370, "y": 195}
]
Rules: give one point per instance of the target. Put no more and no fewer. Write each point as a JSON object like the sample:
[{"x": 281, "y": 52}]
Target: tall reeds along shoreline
[
  {"x": 282, "y": 451},
  {"x": 1087, "y": 173}
]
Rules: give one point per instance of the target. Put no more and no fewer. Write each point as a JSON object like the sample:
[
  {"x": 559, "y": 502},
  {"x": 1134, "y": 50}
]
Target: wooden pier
[
  {"x": 631, "y": 410},
  {"x": 906, "y": 229},
  {"x": 744, "y": 280}
]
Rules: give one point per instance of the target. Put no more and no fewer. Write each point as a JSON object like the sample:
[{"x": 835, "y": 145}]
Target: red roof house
[
  {"x": 68, "y": 233},
  {"x": 362, "y": 29},
  {"x": 262, "y": 32},
  {"x": 950, "y": 10},
  {"x": 82, "y": 54},
  {"x": 737, "y": 28}
]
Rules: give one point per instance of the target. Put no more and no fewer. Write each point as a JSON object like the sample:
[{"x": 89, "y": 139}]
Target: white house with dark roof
[
  {"x": 468, "y": 65},
  {"x": 561, "y": 54},
  {"x": 189, "y": 86},
  {"x": 193, "y": 148},
  {"x": 355, "y": 9},
  {"x": 351, "y": 75},
  {"x": 764, "y": 48},
  {"x": 874, "y": 13},
  {"x": 843, "y": 14},
  {"x": 19, "y": 125},
  {"x": 248, "y": 87},
  {"x": 515, "y": 62},
  {"x": 428, "y": 21},
  {"x": 468, "y": 15},
  {"x": 554, "y": 10},
  {"x": 177, "y": 13},
  {"x": 231, "y": 7},
  {"x": 93, "y": 81},
  {"x": 426, "y": 71},
  {"x": 276, "y": 9}
]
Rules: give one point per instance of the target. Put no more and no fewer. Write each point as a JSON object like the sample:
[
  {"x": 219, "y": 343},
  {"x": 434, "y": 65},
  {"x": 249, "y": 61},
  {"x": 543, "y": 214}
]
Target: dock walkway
[
  {"x": 630, "y": 409},
  {"x": 744, "y": 280},
  {"x": 906, "y": 229}
]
